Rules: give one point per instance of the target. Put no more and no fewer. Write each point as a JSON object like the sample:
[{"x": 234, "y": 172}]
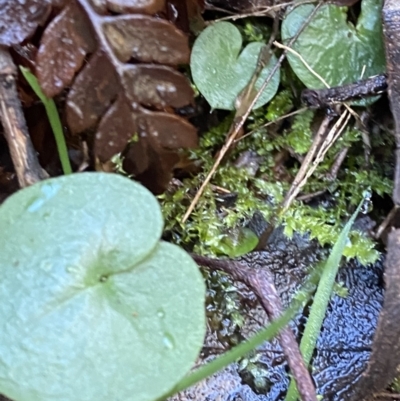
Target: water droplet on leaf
[{"x": 168, "y": 341}]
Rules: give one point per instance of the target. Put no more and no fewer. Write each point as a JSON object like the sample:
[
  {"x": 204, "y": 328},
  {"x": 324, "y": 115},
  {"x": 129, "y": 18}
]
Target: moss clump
[{"x": 280, "y": 148}]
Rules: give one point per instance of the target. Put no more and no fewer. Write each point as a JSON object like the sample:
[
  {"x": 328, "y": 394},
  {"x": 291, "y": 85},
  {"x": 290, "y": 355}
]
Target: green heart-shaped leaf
[
  {"x": 220, "y": 73},
  {"x": 333, "y": 47},
  {"x": 93, "y": 306}
]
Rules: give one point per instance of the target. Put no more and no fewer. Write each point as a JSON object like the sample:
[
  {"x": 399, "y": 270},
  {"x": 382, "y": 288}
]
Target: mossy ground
[
  {"x": 280, "y": 148},
  {"x": 215, "y": 226}
]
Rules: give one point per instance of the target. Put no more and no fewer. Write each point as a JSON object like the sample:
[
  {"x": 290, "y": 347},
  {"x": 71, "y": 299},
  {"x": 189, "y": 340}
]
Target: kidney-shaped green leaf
[
  {"x": 92, "y": 305},
  {"x": 220, "y": 73},
  {"x": 333, "y": 47}
]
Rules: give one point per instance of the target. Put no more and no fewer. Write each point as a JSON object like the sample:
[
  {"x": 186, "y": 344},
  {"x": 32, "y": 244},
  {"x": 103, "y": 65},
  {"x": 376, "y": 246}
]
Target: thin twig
[
  {"x": 261, "y": 12},
  {"x": 220, "y": 189},
  {"x": 333, "y": 172},
  {"x": 238, "y": 122},
  {"x": 292, "y": 113},
  {"x": 309, "y": 168},
  {"x": 308, "y": 197},
  {"x": 331, "y": 175},
  {"x": 332, "y": 136},
  {"x": 312, "y": 71},
  {"x": 262, "y": 284},
  {"x": 385, "y": 223},
  {"x": 306, "y": 163},
  {"x": 290, "y": 50},
  {"x": 388, "y": 395},
  {"x": 23, "y": 154}
]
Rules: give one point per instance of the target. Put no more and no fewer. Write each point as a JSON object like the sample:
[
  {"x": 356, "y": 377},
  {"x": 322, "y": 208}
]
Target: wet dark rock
[
  {"x": 224, "y": 386},
  {"x": 344, "y": 344}
]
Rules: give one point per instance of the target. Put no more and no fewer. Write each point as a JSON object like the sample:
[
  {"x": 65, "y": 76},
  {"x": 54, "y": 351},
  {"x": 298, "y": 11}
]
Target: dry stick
[
  {"x": 306, "y": 163},
  {"x": 299, "y": 181},
  {"x": 307, "y": 169},
  {"x": 307, "y": 197},
  {"x": 365, "y": 137},
  {"x": 262, "y": 284},
  {"x": 301, "y": 58},
  {"x": 244, "y": 100},
  {"x": 22, "y": 153},
  {"x": 295, "y": 188},
  {"x": 238, "y": 122},
  {"x": 332, "y": 174},
  {"x": 264, "y": 11},
  {"x": 292, "y": 113},
  {"x": 296, "y": 185},
  {"x": 385, "y": 223},
  {"x": 332, "y": 136},
  {"x": 388, "y": 395}
]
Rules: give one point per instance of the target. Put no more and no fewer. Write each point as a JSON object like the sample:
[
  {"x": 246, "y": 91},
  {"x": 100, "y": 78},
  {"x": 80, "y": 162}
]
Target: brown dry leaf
[
  {"x": 120, "y": 71},
  {"x": 94, "y": 89},
  {"x": 162, "y": 134},
  {"x": 128, "y": 87},
  {"x": 158, "y": 173},
  {"x": 147, "y": 39},
  {"x": 156, "y": 86},
  {"x": 169, "y": 131},
  {"x": 116, "y": 128},
  {"x": 154, "y": 139},
  {"x": 19, "y": 20},
  {"x": 65, "y": 43},
  {"x": 129, "y": 6}
]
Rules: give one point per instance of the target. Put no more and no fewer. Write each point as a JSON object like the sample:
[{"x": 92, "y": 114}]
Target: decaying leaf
[
  {"x": 65, "y": 43},
  {"x": 146, "y": 39},
  {"x": 19, "y": 19},
  {"x": 119, "y": 62},
  {"x": 129, "y": 6}
]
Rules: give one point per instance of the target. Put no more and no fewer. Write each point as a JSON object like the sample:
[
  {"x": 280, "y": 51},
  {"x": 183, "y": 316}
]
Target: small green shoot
[
  {"x": 54, "y": 119},
  {"x": 321, "y": 300},
  {"x": 266, "y": 334}
]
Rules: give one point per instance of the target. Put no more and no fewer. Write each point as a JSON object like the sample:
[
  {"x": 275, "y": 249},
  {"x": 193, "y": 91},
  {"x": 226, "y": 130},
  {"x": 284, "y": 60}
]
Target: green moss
[
  {"x": 299, "y": 136},
  {"x": 280, "y": 105},
  {"x": 253, "y": 31},
  {"x": 395, "y": 386},
  {"x": 211, "y": 223}
]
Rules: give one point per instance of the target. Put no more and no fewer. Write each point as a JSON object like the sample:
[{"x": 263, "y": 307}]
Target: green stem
[
  {"x": 54, "y": 119},
  {"x": 244, "y": 348},
  {"x": 321, "y": 300}
]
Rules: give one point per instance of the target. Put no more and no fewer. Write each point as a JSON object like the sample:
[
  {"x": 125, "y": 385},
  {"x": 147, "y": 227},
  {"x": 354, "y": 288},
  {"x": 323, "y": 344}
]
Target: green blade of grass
[
  {"x": 54, "y": 119},
  {"x": 266, "y": 334},
  {"x": 321, "y": 300}
]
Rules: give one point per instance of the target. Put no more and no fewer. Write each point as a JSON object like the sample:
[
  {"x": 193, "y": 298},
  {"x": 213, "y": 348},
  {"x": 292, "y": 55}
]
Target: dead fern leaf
[
  {"x": 19, "y": 20},
  {"x": 122, "y": 78}
]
